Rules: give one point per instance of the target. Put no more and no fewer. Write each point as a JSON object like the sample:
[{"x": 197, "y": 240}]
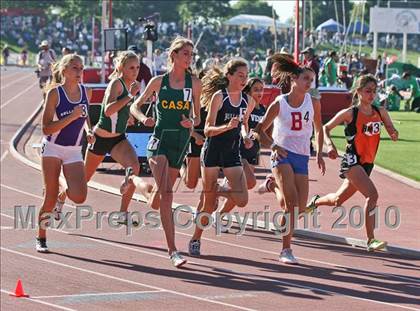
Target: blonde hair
[
  {"x": 120, "y": 61},
  {"x": 177, "y": 44},
  {"x": 216, "y": 79},
  {"x": 58, "y": 69},
  {"x": 362, "y": 82}
]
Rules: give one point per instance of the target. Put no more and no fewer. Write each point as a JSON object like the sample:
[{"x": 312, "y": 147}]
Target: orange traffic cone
[{"x": 19, "y": 290}]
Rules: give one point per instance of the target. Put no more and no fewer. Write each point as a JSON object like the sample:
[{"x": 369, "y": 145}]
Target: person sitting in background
[
  {"x": 410, "y": 83},
  {"x": 345, "y": 79},
  {"x": 393, "y": 99}
]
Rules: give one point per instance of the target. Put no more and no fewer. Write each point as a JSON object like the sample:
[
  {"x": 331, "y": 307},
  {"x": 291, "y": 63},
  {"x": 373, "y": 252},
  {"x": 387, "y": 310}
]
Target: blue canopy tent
[
  {"x": 330, "y": 26},
  {"x": 357, "y": 25}
]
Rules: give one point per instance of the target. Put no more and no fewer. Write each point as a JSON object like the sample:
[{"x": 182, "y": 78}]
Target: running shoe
[
  {"x": 312, "y": 204},
  {"x": 177, "y": 260},
  {"x": 194, "y": 248},
  {"x": 286, "y": 256},
  {"x": 126, "y": 183},
  {"x": 41, "y": 245},
  {"x": 124, "y": 221},
  {"x": 374, "y": 245},
  {"x": 265, "y": 186}
]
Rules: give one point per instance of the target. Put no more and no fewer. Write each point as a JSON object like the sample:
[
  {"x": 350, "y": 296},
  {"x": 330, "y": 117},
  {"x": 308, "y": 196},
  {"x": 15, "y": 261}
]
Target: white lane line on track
[
  {"x": 4, "y": 155},
  {"x": 100, "y": 294},
  {"x": 8, "y": 75},
  {"x": 40, "y": 302},
  {"x": 13, "y": 82},
  {"x": 124, "y": 280},
  {"x": 17, "y": 95},
  {"x": 224, "y": 243},
  {"x": 310, "y": 288},
  {"x": 275, "y": 281}
]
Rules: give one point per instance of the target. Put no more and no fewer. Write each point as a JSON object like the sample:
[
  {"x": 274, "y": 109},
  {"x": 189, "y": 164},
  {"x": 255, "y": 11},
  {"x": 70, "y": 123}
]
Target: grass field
[
  {"x": 412, "y": 56},
  {"x": 403, "y": 156}
]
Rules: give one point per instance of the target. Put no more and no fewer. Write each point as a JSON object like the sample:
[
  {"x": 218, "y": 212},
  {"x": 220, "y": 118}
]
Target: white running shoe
[
  {"x": 286, "y": 256},
  {"x": 41, "y": 245},
  {"x": 177, "y": 260}
]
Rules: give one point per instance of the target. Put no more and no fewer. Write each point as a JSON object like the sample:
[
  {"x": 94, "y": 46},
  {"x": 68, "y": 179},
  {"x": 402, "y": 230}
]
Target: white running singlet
[{"x": 293, "y": 126}]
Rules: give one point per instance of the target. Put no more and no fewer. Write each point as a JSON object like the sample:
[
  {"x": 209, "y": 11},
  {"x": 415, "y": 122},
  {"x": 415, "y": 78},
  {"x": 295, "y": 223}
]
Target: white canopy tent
[{"x": 254, "y": 20}]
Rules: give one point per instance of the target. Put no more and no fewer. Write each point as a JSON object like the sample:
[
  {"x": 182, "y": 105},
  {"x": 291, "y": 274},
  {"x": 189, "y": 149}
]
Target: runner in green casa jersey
[
  {"x": 170, "y": 138},
  {"x": 178, "y": 99}
]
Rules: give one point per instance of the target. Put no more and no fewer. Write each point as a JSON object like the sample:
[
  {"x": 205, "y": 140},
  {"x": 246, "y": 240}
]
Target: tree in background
[
  {"x": 257, "y": 7},
  {"x": 207, "y": 10}
]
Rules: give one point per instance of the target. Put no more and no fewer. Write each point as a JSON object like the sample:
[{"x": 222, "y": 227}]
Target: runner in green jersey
[
  {"x": 110, "y": 131},
  {"x": 178, "y": 99}
]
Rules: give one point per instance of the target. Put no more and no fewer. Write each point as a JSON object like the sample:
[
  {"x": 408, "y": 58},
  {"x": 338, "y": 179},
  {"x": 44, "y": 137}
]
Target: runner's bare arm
[
  {"x": 196, "y": 83},
  {"x": 319, "y": 134},
  {"x": 343, "y": 116},
  {"x": 152, "y": 87},
  {"x": 261, "y": 129},
  {"x": 248, "y": 111},
  {"x": 88, "y": 125},
  {"x": 210, "y": 129},
  {"x": 389, "y": 125}
]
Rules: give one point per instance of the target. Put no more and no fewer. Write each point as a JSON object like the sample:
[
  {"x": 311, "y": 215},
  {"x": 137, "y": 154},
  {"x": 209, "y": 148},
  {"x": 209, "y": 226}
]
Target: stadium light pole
[{"x": 296, "y": 51}]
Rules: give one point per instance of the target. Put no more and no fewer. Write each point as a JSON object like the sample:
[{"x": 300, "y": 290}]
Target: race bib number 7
[
  {"x": 187, "y": 94},
  {"x": 153, "y": 143}
]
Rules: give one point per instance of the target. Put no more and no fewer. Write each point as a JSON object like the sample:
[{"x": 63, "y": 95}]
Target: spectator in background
[
  {"x": 65, "y": 51},
  {"x": 45, "y": 58},
  {"x": 331, "y": 68},
  {"x": 5, "y": 53},
  {"x": 160, "y": 62},
  {"x": 255, "y": 69},
  {"x": 356, "y": 63},
  {"x": 24, "y": 57},
  {"x": 393, "y": 100},
  {"x": 145, "y": 74},
  {"x": 269, "y": 64},
  {"x": 345, "y": 79},
  {"x": 311, "y": 61},
  {"x": 411, "y": 84}
]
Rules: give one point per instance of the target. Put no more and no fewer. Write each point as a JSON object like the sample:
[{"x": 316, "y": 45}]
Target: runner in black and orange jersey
[{"x": 362, "y": 130}]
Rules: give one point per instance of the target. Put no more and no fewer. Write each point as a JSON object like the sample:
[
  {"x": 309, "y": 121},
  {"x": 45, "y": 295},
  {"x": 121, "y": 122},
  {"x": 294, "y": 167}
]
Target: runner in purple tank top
[{"x": 63, "y": 120}]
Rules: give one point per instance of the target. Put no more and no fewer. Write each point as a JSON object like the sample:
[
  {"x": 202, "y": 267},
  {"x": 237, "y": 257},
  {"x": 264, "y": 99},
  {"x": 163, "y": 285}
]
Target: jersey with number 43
[
  {"x": 293, "y": 126},
  {"x": 363, "y": 134}
]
